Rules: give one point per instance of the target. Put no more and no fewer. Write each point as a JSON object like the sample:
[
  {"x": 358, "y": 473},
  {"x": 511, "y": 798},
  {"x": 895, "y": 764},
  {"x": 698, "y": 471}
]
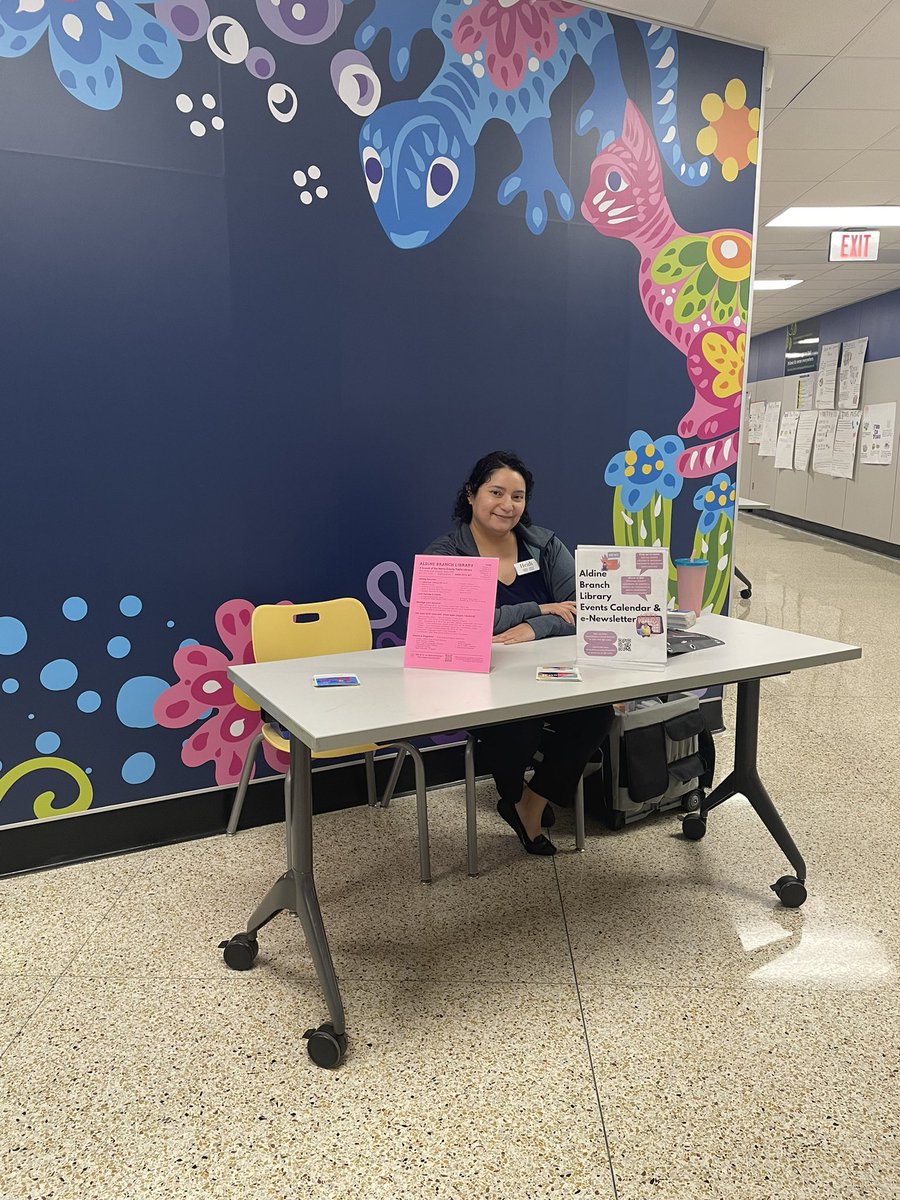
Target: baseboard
[
  {"x": 859, "y": 540},
  {"x": 101, "y": 833}
]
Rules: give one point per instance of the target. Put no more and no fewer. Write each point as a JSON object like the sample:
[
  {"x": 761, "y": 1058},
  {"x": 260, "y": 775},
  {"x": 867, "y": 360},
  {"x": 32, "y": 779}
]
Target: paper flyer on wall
[
  {"x": 806, "y": 432},
  {"x": 768, "y": 441},
  {"x": 755, "y": 414},
  {"x": 826, "y": 379},
  {"x": 850, "y": 377},
  {"x": 843, "y": 456},
  {"x": 806, "y": 391},
  {"x": 622, "y": 593},
  {"x": 823, "y": 447},
  {"x": 784, "y": 449},
  {"x": 879, "y": 422},
  {"x": 451, "y": 613}
]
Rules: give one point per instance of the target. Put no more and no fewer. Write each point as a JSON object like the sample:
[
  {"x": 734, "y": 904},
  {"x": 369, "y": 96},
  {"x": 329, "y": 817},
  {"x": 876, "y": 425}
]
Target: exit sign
[{"x": 854, "y": 245}]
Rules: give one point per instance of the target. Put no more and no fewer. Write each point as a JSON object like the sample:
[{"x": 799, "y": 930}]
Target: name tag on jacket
[{"x": 526, "y": 567}]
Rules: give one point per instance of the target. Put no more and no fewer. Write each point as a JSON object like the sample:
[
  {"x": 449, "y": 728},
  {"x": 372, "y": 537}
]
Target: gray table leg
[
  {"x": 745, "y": 779},
  {"x": 295, "y": 892}
]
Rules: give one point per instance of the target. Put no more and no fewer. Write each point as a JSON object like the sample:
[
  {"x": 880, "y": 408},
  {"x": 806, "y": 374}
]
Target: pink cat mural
[{"x": 695, "y": 287}]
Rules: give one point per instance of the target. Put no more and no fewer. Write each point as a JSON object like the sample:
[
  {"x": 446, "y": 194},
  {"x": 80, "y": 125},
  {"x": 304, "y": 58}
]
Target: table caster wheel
[
  {"x": 746, "y": 593},
  {"x": 790, "y": 891},
  {"x": 693, "y": 827},
  {"x": 240, "y": 951},
  {"x": 325, "y": 1047},
  {"x": 692, "y": 801}
]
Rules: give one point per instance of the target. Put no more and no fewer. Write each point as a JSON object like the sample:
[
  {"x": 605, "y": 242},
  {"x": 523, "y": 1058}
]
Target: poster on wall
[
  {"x": 801, "y": 347},
  {"x": 622, "y": 596},
  {"x": 850, "y": 376},
  {"x": 806, "y": 391},
  {"x": 784, "y": 449},
  {"x": 768, "y": 442},
  {"x": 755, "y": 417},
  {"x": 806, "y": 432},
  {"x": 826, "y": 380},
  {"x": 823, "y": 447},
  {"x": 846, "y": 433},
  {"x": 879, "y": 421}
]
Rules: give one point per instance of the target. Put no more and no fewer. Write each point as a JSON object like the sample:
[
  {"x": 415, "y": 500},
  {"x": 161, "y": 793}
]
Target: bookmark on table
[
  {"x": 561, "y": 674},
  {"x": 336, "y": 680}
]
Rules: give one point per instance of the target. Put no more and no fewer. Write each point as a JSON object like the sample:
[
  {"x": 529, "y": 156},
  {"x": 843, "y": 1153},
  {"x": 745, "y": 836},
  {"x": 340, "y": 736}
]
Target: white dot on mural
[
  {"x": 184, "y": 103},
  {"x": 72, "y": 26},
  {"x": 314, "y": 172},
  {"x": 478, "y": 70},
  {"x": 533, "y": 63},
  {"x": 306, "y": 197},
  {"x": 298, "y": 12},
  {"x": 209, "y": 101},
  {"x": 321, "y": 192},
  {"x": 103, "y": 10},
  {"x": 467, "y": 60},
  {"x": 198, "y": 129},
  {"x": 729, "y": 248},
  {"x": 300, "y": 178},
  {"x": 217, "y": 123},
  {"x": 236, "y": 728}
]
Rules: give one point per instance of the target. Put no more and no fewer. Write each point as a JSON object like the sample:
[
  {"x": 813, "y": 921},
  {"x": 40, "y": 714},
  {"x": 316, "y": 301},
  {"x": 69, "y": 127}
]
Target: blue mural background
[{"x": 215, "y": 390}]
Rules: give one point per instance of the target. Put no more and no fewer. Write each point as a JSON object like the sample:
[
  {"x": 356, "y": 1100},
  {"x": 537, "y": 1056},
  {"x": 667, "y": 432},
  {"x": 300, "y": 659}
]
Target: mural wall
[{"x": 275, "y": 274}]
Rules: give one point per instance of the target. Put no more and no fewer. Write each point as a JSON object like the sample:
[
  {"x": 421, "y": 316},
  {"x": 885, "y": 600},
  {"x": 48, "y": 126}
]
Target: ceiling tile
[
  {"x": 803, "y": 165},
  {"x": 780, "y": 195},
  {"x": 790, "y": 75},
  {"x": 827, "y": 129},
  {"x": 871, "y": 165},
  {"x": 890, "y": 141},
  {"x": 771, "y": 114},
  {"x": 851, "y": 83},
  {"x": 842, "y": 192},
  {"x": 804, "y": 29},
  {"x": 666, "y": 12},
  {"x": 881, "y": 38}
]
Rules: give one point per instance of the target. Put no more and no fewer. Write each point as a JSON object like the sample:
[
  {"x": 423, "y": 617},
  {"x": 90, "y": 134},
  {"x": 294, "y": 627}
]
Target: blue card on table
[{"x": 336, "y": 680}]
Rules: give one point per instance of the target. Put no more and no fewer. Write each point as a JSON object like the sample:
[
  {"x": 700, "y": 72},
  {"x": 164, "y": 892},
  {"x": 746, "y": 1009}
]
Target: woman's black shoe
[
  {"x": 548, "y": 817},
  {"x": 538, "y": 845}
]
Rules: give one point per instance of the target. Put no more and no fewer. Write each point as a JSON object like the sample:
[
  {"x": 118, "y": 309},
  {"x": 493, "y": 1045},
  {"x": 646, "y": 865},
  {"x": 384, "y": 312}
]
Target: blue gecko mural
[{"x": 502, "y": 59}]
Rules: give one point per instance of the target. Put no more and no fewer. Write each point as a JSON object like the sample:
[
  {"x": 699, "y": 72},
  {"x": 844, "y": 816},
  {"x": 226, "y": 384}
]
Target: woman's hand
[
  {"x": 565, "y": 609},
  {"x": 518, "y": 633}
]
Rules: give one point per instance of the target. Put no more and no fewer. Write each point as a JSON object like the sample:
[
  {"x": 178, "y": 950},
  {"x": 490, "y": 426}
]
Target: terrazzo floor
[{"x": 640, "y": 1021}]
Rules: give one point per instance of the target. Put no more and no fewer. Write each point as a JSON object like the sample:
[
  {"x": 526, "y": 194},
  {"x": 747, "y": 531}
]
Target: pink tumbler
[{"x": 691, "y": 580}]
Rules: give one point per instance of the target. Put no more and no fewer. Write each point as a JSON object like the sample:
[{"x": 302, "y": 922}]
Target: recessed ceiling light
[
  {"x": 860, "y": 216},
  {"x": 774, "y": 285}
]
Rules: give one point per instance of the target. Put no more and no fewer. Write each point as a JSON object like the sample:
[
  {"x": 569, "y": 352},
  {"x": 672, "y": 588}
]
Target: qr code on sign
[{"x": 624, "y": 645}]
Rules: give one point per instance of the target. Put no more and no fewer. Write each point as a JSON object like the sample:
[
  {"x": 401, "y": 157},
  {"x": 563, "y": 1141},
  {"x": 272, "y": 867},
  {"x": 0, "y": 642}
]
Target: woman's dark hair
[{"x": 481, "y": 473}]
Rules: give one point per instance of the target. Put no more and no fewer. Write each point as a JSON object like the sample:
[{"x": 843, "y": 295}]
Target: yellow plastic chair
[{"x": 332, "y": 627}]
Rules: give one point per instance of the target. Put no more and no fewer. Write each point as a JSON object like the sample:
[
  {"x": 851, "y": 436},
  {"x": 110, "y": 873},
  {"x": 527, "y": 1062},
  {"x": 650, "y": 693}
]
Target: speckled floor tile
[
  {"x": 751, "y": 1096},
  {"x": 154, "y": 1090},
  {"x": 20, "y": 998},
  {"x": 382, "y": 922},
  {"x": 46, "y": 917}
]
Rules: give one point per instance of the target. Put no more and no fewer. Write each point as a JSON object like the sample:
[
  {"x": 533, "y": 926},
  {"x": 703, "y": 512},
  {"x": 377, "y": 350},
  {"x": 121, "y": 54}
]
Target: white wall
[{"x": 868, "y": 504}]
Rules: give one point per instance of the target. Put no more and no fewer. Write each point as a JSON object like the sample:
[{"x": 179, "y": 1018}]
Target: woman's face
[{"x": 498, "y": 504}]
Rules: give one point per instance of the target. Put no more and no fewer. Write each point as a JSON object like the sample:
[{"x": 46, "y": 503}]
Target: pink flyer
[{"x": 451, "y": 613}]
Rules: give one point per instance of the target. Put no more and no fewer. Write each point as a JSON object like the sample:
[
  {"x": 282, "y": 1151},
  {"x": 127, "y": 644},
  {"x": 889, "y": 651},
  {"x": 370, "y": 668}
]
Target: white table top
[
  {"x": 392, "y": 702},
  {"x": 748, "y": 505}
]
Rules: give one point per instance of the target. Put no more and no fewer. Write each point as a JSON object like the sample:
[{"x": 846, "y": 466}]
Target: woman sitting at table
[{"x": 535, "y": 599}]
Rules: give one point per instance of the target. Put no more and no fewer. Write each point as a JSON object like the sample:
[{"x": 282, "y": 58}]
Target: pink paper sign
[{"x": 451, "y": 613}]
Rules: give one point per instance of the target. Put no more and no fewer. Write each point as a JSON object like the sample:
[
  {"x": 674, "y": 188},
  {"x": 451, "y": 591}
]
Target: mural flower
[
  {"x": 646, "y": 483},
  {"x": 305, "y": 24},
  {"x": 647, "y": 467},
  {"x": 88, "y": 40},
  {"x": 513, "y": 31},
  {"x": 714, "y": 537},
  {"x": 203, "y": 684},
  {"x": 714, "y": 271},
  {"x": 732, "y": 135}
]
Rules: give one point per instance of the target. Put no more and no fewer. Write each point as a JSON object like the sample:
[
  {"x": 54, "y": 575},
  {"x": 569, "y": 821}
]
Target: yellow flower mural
[{"x": 732, "y": 135}]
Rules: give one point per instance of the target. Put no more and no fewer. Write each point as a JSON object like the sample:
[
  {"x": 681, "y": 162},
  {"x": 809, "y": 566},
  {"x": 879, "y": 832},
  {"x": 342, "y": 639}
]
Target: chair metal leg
[
  {"x": 388, "y": 793},
  {"x": 421, "y": 809},
  {"x": 242, "y": 786},
  {"x": 471, "y": 819},
  {"x": 579, "y": 815},
  {"x": 287, "y": 819},
  {"x": 371, "y": 790}
]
